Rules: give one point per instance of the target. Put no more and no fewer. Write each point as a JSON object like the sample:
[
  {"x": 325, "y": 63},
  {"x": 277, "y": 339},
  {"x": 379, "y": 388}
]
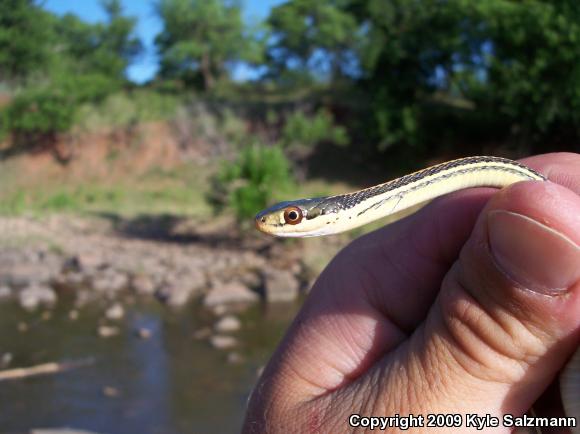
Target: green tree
[
  {"x": 320, "y": 37},
  {"x": 203, "y": 37},
  {"x": 514, "y": 62},
  {"x": 25, "y": 37},
  {"x": 432, "y": 69},
  {"x": 118, "y": 45},
  {"x": 102, "y": 48},
  {"x": 410, "y": 53},
  {"x": 532, "y": 65},
  {"x": 83, "y": 63}
]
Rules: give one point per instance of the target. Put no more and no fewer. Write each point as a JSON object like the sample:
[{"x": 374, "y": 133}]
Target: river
[{"x": 170, "y": 382}]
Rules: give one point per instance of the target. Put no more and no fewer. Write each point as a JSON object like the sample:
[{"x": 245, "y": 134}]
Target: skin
[{"x": 471, "y": 305}]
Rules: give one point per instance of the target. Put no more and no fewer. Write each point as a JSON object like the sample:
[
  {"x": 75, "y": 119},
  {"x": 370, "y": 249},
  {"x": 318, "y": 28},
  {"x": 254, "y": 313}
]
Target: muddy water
[{"x": 169, "y": 383}]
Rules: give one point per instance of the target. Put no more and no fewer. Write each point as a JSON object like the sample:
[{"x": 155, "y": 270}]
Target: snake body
[{"x": 335, "y": 214}]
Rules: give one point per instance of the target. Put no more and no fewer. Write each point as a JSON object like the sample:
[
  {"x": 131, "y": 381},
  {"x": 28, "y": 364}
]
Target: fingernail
[{"x": 532, "y": 254}]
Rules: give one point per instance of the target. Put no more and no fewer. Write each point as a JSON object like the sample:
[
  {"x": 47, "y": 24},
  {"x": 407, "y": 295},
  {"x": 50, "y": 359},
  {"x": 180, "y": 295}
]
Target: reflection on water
[{"x": 169, "y": 383}]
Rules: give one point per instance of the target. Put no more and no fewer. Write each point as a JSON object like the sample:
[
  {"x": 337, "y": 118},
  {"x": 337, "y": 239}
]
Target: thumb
[{"x": 508, "y": 313}]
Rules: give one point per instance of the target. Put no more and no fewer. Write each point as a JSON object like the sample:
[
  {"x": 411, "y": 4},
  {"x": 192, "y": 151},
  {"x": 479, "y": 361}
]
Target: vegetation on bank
[
  {"x": 178, "y": 191},
  {"x": 392, "y": 82}
]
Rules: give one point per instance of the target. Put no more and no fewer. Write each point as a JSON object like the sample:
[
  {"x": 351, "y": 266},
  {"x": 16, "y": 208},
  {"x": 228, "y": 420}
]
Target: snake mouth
[{"x": 260, "y": 221}]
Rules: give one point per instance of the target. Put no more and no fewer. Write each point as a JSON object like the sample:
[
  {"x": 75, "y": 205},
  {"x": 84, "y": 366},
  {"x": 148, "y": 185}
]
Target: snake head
[{"x": 290, "y": 219}]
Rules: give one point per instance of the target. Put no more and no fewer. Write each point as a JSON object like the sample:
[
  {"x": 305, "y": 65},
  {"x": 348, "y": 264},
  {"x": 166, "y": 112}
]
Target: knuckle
[{"x": 490, "y": 342}]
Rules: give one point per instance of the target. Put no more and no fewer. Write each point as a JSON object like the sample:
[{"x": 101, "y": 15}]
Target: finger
[
  {"x": 561, "y": 168},
  {"x": 507, "y": 317},
  {"x": 558, "y": 167}
]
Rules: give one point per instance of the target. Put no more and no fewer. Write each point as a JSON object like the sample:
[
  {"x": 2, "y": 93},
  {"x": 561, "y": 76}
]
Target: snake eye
[{"x": 293, "y": 215}]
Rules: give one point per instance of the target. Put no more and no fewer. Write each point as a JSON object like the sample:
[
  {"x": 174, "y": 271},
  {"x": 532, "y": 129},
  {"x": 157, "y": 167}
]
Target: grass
[
  {"x": 179, "y": 192},
  {"x": 128, "y": 198}
]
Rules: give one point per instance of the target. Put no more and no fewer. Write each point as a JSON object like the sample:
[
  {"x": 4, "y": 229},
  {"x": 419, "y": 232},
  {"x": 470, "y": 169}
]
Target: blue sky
[{"x": 149, "y": 25}]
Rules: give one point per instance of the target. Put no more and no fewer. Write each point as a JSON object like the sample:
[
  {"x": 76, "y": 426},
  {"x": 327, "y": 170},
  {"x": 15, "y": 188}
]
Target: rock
[
  {"x": 144, "y": 333},
  {"x": 152, "y": 269},
  {"x": 232, "y": 292},
  {"x": 222, "y": 342},
  {"x": 100, "y": 284},
  {"x": 35, "y": 295},
  {"x": 21, "y": 267},
  {"x": 70, "y": 280},
  {"x": 179, "y": 287},
  {"x": 129, "y": 301},
  {"x": 74, "y": 278},
  {"x": 70, "y": 264},
  {"x": 30, "y": 256},
  {"x": 202, "y": 333},
  {"x": 26, "y": 274},
  {"x": 251, "y": 279},
  {"x": 110, "y": 281},
  {"x": 219, "y": 310},
  {"x": 174, "y": 295},
  {"x": 235, "y": 358},
  {"x": 46, "y": 315},
  {"x": 110, "y": 392},
  {"x": 85, "y": 296},
  {"x": 143, "y": 285},
  {"x": 73, "y": 315},
  {"x": 115, "y": 312},
  {"x": 280, "y": 285},
  {"x": 228, "y": 324},
  {"x": 105, "y": 331},
  {"x": 89, "y": 260},
  {"x": 22, "y": 327},
  {"x": 5, "y": 360},
  {"x": 5, "y": 292}
]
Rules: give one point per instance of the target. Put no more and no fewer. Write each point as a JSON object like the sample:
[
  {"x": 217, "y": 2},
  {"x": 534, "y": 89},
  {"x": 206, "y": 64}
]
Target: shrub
[
  {"x": 121, "y": 109},
  {"x": 86, "y": 87},
  {"x": 40, "y": 112},
  {"x": 303, "y": 131},
  {"x": 233, "y": 127},
  {"x": 252, "y": 181},
  {"x": 37, "y": 114},
  {"x": 115, "y": 111}
]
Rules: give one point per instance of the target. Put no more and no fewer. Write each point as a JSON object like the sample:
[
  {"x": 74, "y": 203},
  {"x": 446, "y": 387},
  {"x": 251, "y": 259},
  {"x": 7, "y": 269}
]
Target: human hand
[{"x": 470, "y": 306}]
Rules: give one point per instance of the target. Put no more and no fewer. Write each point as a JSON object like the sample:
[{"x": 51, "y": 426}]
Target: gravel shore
[{"x": 104, "y": 259}]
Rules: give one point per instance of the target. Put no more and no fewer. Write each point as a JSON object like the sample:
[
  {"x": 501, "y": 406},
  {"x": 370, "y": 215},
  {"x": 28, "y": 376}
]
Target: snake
[{"x": 335, "y": 214}]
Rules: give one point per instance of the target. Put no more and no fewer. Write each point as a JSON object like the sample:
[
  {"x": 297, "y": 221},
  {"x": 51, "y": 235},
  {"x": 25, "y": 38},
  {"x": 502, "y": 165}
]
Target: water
[{"x": 169, "y": 383}]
